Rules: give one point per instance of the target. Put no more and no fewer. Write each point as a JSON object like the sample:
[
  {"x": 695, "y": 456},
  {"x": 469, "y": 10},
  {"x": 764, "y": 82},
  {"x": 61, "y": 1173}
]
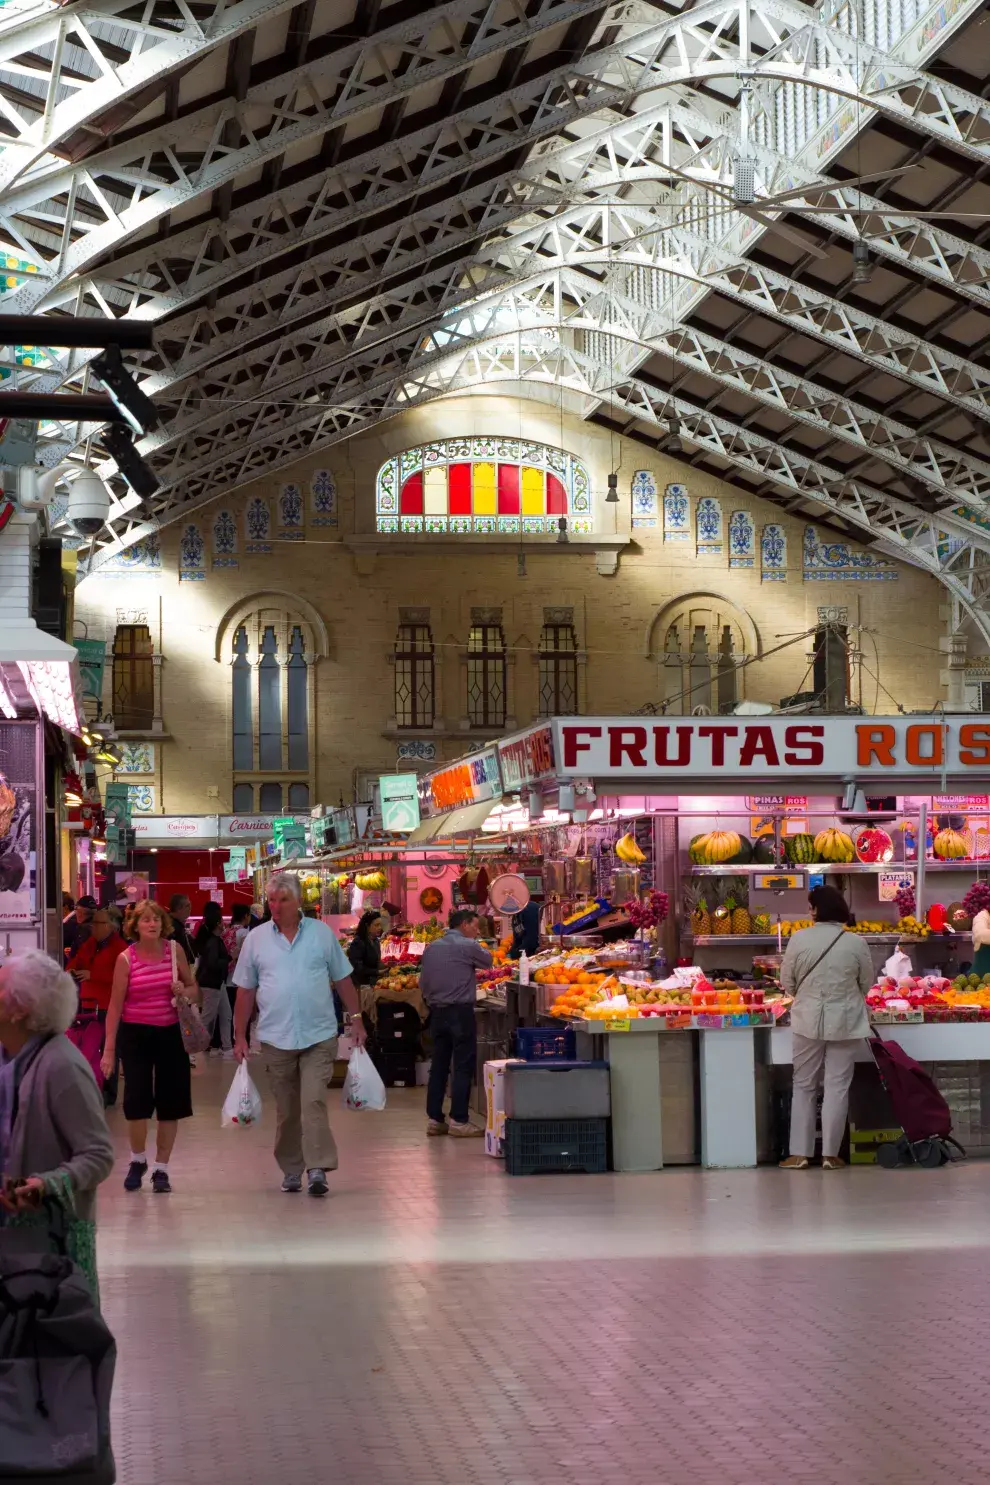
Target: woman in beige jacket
[{"x": 828, "y": 971}]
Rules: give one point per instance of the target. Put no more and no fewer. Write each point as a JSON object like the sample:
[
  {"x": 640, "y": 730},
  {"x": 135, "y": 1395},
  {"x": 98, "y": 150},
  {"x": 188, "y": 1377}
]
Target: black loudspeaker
[{"x": 49, "y": 589}]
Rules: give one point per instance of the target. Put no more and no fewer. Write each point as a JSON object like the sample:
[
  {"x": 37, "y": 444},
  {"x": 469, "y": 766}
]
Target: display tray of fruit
[
  {"x": 398, "y": 980},
  {"x": 929, "y": 998}
]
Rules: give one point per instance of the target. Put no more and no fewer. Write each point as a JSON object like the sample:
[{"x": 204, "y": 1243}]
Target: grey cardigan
[{"x": 61, "y": 1125}]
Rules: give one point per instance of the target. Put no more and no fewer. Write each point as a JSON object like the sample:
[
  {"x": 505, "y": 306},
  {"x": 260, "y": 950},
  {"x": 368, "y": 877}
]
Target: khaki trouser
[
  {"x": 838, "y": 1059},
  {"x": 299, "y": 1080}
]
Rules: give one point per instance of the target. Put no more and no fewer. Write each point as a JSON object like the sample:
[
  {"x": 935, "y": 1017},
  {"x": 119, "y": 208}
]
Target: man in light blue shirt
[{"x": 286, "y": 968}]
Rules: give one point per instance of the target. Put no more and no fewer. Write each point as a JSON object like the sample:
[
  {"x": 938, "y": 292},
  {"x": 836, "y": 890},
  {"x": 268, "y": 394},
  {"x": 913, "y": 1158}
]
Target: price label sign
[
  {"x": 889, "y": 884},
  {"x": 616, "y": 1023}
]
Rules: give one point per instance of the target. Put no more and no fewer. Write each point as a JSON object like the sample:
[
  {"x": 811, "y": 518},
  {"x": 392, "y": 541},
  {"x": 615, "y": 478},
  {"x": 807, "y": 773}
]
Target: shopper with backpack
[{"x": 55, "y": 1147}]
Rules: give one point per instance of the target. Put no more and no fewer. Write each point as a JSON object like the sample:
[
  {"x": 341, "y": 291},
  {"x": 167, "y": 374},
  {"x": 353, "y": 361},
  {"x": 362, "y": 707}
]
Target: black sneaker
[
  {"x": 135, "y": 1175},
  {"x": 160, "y": 1181},
  {"x": 292, "y": 1183},
  {"x": 317, "y": 1182}
]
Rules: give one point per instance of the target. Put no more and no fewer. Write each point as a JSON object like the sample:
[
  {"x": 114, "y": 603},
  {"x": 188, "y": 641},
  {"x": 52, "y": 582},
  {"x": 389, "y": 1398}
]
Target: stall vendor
[
  {"x": 981, "y": 943},
  {"x": 526, "y": 931}
]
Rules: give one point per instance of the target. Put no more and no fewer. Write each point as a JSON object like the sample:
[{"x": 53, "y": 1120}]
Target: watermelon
[
  {"x": 744, "y": 855},
  {"x": 764, "y": 852},
  {"x": 694, "y": 855},
  {"x": 800, "y": 849}
]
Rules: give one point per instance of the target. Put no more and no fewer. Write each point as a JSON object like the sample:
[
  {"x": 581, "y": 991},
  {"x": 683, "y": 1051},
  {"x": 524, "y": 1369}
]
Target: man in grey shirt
[{"x": 449, "y": 986}]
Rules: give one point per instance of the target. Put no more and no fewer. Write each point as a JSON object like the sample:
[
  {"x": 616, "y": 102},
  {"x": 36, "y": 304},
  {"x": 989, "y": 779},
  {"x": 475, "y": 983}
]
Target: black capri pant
[{"x": 156, "y": 1071}]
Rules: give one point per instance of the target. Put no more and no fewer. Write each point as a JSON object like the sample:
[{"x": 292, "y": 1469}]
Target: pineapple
[
  {"x": 741, "y": 920},
  {"x": 762, "y": 923},
  {"x": 723, "y": 916},
  {"x": 701, "y": 922}
]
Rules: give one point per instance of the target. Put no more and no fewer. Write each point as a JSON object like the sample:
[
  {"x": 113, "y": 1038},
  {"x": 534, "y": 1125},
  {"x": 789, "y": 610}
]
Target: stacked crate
[{"x": 557, "y": 1110}]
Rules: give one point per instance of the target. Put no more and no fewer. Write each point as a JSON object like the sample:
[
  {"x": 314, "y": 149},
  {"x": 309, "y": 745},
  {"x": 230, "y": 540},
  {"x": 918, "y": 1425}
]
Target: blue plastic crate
[{"x": 535, "y": 1043}]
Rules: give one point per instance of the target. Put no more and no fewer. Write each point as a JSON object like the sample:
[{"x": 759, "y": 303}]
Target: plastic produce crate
[
  {"x": 555, "y": 1089},
  {"x": 533, "y": 1146},
  {"x": 534, "y": 1043}
]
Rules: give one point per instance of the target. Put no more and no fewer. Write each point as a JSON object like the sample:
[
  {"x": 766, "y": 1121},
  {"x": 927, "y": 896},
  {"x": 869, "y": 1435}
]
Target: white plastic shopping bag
[
  {"x": 242, "y": 1105},
  {"x": 363, "y": 1088}
]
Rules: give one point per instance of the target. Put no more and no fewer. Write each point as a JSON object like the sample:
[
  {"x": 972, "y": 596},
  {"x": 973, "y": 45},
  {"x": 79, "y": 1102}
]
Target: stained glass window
[{"x": 486, "y": 485}]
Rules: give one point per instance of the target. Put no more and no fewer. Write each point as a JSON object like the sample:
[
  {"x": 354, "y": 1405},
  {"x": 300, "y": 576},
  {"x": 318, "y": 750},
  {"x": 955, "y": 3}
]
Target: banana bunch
[
  {"x": 628, "y": 851},
  {"x": 371, "y": 881}
]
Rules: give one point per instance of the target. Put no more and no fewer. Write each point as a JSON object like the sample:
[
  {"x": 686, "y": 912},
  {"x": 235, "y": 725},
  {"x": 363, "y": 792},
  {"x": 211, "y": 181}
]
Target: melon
[
  {"x": 800, "y": 849},
  {"x": 958, "y": 918},
  {"x": 744, "y": 855},
  {"x": 764, "y": 851}
]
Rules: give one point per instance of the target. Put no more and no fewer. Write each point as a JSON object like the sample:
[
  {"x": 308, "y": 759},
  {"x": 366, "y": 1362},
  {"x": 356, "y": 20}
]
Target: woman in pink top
[{"x": 143, "y": 1025}]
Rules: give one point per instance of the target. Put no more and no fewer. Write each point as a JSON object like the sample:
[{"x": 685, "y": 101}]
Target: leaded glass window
[
  {"x": 297, "y": 701},
  {"x": 243, "y": 729},
  {"x": 269, "y": 703},
  {"x": 486, "y": 676},
  {"x": 485, "y": 485},
  {"x": 558, "y": 670},
  {"x": 414, "y": 676}
]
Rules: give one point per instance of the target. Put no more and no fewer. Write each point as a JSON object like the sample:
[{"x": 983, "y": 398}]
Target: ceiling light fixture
[
  {"x": 612, "y": 498},
  {"x": 120, "y": 446},
  {"x": 862, "y": 262},
  {"x": 135, "y": 406},
  {"x": 562, "y": 535},
  {"x": 674, "y": 444}
]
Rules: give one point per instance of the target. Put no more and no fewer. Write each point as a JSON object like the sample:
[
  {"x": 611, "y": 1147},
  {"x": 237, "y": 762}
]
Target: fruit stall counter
[{"x": 726, "y": 1070}]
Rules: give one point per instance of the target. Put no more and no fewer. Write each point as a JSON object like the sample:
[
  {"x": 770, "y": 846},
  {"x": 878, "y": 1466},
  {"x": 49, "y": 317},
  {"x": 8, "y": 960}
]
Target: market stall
[{"x": 716, "y": 881}]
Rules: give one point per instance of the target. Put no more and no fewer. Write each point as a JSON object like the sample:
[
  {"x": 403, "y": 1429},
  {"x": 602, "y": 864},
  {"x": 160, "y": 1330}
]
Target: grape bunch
[
  {"x": 976, "y": 899},
  {"x": 650, "y": 912},
  {"x": 906, "y": 901}
]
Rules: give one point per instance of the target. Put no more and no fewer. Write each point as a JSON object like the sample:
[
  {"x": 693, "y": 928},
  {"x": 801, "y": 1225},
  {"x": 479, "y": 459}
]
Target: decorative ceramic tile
[
  {"x": 742, "y": 539},
  {"x": 290, "y": 513},
  {"x": 708, "y": 521},
  {"x": 415, "y": 748},
  {"x": 644, "y": 498},
  {"x": 136, "y": 757},
  {"x": 676, "y": 514},
  {"x": 224, "y": 532},
  {"x": 142, "y": 798},
  {"x": 144, "y": 556},
  {"x": 192, "y": 554},
  {"x": 773, "y": 554},
  {"x": 258, "y": 526},
  {"x": 323, "y": 499},
  {"x": 836, "y": 561}
]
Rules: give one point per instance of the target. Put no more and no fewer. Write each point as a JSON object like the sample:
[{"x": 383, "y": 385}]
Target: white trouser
[
  {"x": 216, "y": 1002},
  {"x": 838, "y": 1059}
]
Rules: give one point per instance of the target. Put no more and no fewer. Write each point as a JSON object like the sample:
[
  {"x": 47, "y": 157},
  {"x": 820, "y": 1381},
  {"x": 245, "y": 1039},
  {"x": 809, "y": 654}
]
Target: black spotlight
[
  {"x": 133, "y": 404},
  {"x": 120, "y": 446}
]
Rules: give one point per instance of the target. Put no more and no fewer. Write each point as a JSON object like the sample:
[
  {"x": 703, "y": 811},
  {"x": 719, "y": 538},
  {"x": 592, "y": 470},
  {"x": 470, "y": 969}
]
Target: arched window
[
  {"x": 269, "y": 703},
  {"x": 483, "y": 485},
  {"x": 415, "y": 704},
  {"x": 298, "y": 705},
  {"x": 243, "y": 728},
  {"x": 558, "y": 670},
  {"x": 700, "y": 642},
  {"x": 486, "y": 676},
  {"x": 133, "y": 678},
  {"x": 271, "y": 644}
]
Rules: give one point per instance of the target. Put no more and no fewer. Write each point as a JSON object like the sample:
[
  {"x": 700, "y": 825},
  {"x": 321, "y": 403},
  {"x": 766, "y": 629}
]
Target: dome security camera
[{"x": 89, "y": 503}]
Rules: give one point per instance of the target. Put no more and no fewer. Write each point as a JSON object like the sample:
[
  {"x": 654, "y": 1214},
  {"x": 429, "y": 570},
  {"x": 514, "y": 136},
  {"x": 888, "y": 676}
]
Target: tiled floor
[{"x": 437, "y": 1323}]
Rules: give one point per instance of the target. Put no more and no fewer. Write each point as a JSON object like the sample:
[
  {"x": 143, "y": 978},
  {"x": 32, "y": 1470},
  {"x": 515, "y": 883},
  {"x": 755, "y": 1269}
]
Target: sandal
[{"x": 795, "y": 1162}]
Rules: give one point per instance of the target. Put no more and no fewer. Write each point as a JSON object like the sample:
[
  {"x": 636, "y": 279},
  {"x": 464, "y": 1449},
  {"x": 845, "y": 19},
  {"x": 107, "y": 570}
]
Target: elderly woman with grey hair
[{"x": 54, "y": 1141}]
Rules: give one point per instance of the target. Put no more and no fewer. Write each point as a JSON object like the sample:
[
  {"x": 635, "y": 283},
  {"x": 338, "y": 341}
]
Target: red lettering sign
[
  {"x": 627, "y": 743},
  {"x": 803, "y": 750},
  {"x": 574, "y": 743},
  {"x": 923, "y": 744},
  {"x": 660, "y": 740},
  {"x": 758, "y": 741},
  {"x": 974, "y": 743},
  {"x": 875, "y": 744},
  {"x": 718, "y": 736}
]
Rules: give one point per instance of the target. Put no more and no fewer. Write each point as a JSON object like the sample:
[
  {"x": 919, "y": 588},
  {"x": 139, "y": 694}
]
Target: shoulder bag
[
  {"x": 195, "y": 1037},
  {"x": 827, "y": 950}
]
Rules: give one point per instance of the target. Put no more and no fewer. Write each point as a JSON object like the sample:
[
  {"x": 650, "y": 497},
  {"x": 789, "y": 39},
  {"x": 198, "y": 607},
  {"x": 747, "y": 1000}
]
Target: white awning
[
  {"x": 470, "y": 817},
  {"x": 426, "y": 830}
]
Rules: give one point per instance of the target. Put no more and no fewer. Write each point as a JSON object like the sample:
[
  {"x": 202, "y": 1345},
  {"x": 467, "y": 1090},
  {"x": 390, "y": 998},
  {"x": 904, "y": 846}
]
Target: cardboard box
[{"x": 495, "y": 1104}]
